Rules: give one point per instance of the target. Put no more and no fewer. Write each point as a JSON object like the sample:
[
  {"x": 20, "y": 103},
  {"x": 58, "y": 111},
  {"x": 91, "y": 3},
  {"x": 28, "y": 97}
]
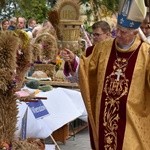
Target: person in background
[
  {"x": 115, "y": 84},
  {"x": 100, "y": 31},
  {"x": 5, "y": 24},
  {"x": 12, "y": 23},
  {"x": 21, "y": 23},
  {"x": 31, "y": 24},
  {"x": 145, "y": 26}
]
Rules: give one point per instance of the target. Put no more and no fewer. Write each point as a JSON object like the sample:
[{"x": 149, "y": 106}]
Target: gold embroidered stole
[{"x": 118, "y": 78}]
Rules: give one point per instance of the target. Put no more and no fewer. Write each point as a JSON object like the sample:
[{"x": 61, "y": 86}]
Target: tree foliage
[
  {"x": 37, "y": 9},
  {"x": 2, "y": 3},
  {"x": 101, "y": 7},
  {"x": 32, "y": 9}
]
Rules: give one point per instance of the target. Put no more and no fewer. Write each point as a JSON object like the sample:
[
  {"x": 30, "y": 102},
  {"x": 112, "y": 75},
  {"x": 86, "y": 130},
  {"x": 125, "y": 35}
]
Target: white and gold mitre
[{"x": 131, "y": 13}]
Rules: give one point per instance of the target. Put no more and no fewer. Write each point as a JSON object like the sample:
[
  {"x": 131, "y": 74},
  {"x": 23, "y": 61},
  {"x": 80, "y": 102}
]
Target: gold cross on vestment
[{"x": 118, "y": 73}]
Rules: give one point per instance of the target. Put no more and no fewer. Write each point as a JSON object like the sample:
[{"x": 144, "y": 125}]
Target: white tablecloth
[{"x": 63, "y": 105}]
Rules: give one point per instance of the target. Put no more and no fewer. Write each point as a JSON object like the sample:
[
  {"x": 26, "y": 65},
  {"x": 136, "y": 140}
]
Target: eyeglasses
[{"x": 97, "y": 34}]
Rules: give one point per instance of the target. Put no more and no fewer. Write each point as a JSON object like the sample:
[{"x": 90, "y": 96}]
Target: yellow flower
[{"x": 58, "y": 60}]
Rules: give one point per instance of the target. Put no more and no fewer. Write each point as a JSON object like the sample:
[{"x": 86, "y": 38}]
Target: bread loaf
[{"x": 39, "y": 74}]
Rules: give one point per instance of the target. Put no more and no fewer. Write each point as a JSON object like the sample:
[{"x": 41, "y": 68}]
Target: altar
[{"x": 63, "y": 106}]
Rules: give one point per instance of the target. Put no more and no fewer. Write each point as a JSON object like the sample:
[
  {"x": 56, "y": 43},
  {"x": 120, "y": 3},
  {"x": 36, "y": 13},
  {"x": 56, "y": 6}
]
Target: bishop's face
[{"x": 125, "y": 37}]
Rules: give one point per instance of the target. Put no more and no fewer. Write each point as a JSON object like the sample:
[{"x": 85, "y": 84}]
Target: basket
[{"x": 70, "y": 30}]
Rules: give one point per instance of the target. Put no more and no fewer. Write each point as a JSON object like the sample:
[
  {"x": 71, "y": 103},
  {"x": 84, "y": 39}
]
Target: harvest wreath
[{"x": 14, "y": 61}]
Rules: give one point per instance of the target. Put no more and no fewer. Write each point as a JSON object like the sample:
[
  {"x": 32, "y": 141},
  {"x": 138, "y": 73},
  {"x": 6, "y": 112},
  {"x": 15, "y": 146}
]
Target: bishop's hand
[{"x": 67, "y": 55}]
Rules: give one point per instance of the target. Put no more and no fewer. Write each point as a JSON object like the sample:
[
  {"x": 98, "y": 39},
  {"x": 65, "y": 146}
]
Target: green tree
[
  {"x": 2, "y": 3},
  {"x": 32, "y": 9},
  {"x": 97, "y": 6},
  {"x": 37, "y": 9}
]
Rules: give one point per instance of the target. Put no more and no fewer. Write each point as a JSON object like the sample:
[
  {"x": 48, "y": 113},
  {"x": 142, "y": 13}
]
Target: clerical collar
[{"x": 126, "y": 47}]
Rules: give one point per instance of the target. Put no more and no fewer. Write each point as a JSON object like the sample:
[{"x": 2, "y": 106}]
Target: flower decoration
[{"x": 59, "y": 61}]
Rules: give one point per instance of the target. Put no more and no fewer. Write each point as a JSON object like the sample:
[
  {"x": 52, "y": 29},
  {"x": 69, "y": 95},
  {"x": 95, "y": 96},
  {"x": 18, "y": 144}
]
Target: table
[{"x": 63, "y": 105}]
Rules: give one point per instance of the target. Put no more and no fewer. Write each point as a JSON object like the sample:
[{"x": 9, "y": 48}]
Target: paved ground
[{"x": 81, "y": 141}]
